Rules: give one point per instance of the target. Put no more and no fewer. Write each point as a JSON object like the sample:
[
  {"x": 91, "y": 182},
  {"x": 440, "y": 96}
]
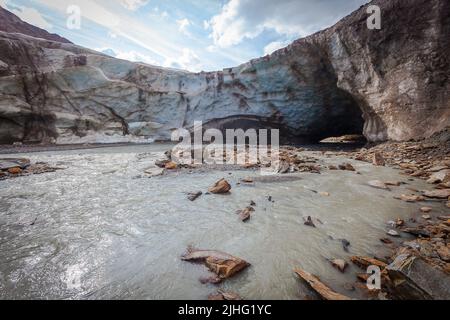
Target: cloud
[
  {"x": 274, "y": 46},
  {"x": 133, "y": 4},
  {"x": 31, "y": 16},
  {"x": 183, "y": 24},
  {"x": 3, "y": 3},
  {"x": 188, "y": 60},
  {"x": 247, "y": 19},
  {"x": 136, "y": 57}
]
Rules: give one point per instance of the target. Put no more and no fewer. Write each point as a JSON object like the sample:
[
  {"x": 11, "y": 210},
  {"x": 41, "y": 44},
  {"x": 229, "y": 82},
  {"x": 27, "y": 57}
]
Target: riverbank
[{"x": 110, "y": 210}]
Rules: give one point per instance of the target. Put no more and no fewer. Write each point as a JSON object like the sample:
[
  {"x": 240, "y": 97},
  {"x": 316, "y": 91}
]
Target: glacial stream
[{"x": 100, "y": 229}]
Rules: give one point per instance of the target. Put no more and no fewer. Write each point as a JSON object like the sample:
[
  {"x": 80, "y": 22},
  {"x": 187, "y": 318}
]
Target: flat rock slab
[
  {"x": 414, "y": 279},
  {"x": 9, "y": 163},
  {"x": 321, "y": 289},
  {"x": 221, "y": 263}
]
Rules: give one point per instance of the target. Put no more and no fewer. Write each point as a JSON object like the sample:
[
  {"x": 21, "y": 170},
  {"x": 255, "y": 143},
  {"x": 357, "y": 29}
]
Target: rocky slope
[
  {"x": 11, "y": 23},
  {"x": 396, "y": 79}
]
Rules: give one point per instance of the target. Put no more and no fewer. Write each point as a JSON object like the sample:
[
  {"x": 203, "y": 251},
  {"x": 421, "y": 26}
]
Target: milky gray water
[{"x": 100, "y": 229}]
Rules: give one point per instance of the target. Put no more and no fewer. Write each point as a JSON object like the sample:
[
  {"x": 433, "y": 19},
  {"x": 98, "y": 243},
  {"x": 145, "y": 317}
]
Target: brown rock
[
  {"x": 393, "y": 183},
  {"x": 439, "y": 194},
  {"x": 440, "y": 176},
  {"x": 411, "y": 198},
  {"x": 222, "y": 264},
  {"x": 346, "y": 166},
  {"x": 444, "y": 252},
  {"x": 378, "y": 184},
  {"x": 386, "y": 240},
  {"x": 321, "y": 289},
  {"x": 365, "y": 262},
  {"x": 378, "y": 159},
  {"x": 245, "y": 214},
  {"x": 171, "y": 165},
  {"x": 224, "y": 295},
  {"x": 339, "y": 264},
  {"x": 15, "y": 170},
  {"x": 426, "y": 209},
  {"x": 220, "y": 187}
]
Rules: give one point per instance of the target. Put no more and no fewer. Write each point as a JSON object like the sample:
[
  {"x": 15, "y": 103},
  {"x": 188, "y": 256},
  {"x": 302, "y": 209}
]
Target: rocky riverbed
[{"x": 115, "y": 222}]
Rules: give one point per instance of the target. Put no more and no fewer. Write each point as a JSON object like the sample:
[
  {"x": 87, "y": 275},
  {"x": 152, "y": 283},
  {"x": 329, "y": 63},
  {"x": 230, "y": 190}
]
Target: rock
[
  {"x": 346, "y": 166},
  {"x": 324, "y": 194},
  {"x": 211, "y": 280},
  {"x": 284, "y": 167},
  {"x": 386, "y": 240},
  {"x": 426, "y": 209},
  {"x": 220, "y": 187},
  {"x": 411, "y": 198},
  {"x": 349, "y": 286},
  {"x": 332, "y": 167},
  {"x": 444, "y": 252},
  {"x": 378, "y": 184},
  {"x": 339, "y": 264},
  {"x": 378, "y": 159},
  {"x": 345, "y": 244},
  {"x": 440, "y": 176},
  {"x": 15, "y": 170},
  {"x": 10, "y": 163},
  {"x": 393, "y": 183},
  {"x": 161, "y": 163},
  {"x": 365, "y": 262},
  {"x": 247, "y": 180},
  {"x": 245, "y": 214},
  {"x": 252, "y": 203},
  {"x": 439, "y": 194},
  {"x": 444, "y": 218},
  {"x": 321, "y": 289},
  {"x": 154, "y": 172},
  {"x": 192, "y": 196},
  {"x": 393, "y": 233},
  {"x": 426, "y": 217},
  {"x": 222, "y": 264},
  {"x": 309, "y": 222},
  {"x": 417, "y": 232},
  {"x": 171, "y": 165},
  {"x": 399, "y": 222},
  {"x": 224, "y": 295},
  {"x": 411, "y": 278}
]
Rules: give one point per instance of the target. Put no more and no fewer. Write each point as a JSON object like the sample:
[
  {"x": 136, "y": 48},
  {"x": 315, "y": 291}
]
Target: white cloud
[
  {"x": 136, "y": 57},
  {"x": 132, "y": 55},
  {"x": 183, "y": 24},
  {"x": 3, "y": 3},
  {"x": 274, "y": 46},
  {"x": 188, "y": 60},
  {"x": 241, "y": 19},
  {"x": 206, "y": 24},
  {"x": 133, "y": 4},
  {"x": 31, "y": 16}
]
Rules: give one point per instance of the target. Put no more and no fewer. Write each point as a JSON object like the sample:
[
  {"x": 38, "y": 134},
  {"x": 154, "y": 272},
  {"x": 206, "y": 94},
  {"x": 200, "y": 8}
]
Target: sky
[{"x": 195, "y": 35}]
